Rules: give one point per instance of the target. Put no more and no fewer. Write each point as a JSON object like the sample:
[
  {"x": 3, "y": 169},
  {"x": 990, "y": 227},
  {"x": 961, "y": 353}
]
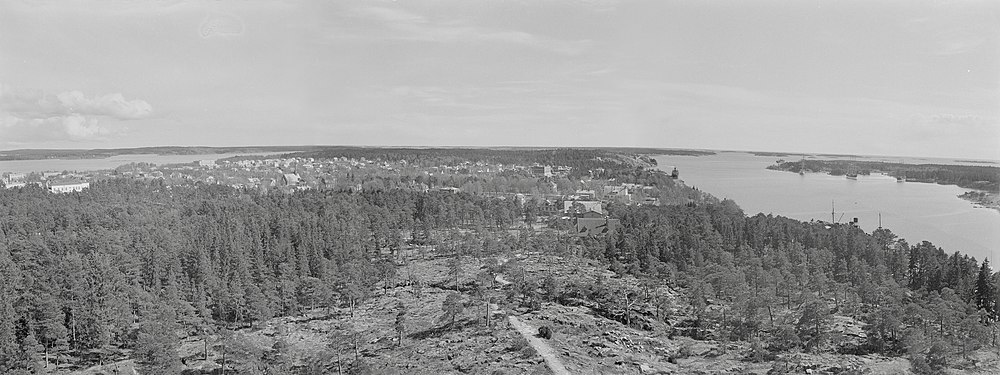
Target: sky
[{"x": 907, "y": 78}]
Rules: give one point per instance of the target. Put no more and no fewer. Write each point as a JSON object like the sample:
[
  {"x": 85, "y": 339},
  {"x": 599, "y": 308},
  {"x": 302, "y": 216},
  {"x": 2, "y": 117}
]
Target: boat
[
  {"x": 852, "y": 172},
  {"x": 802, "y": 167}
]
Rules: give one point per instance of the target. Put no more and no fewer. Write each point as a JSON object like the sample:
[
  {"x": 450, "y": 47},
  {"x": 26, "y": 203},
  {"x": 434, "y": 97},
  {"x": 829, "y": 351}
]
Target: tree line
[{"x": 124, "y": 264}]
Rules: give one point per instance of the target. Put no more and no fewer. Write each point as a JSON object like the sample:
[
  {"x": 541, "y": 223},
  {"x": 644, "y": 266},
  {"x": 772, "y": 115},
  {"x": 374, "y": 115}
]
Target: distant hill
[{"x": 41, "y": 154}]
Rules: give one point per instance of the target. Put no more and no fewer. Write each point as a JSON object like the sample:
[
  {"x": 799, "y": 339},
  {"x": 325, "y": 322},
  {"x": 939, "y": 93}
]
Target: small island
[{"x": 983, "y": 179}]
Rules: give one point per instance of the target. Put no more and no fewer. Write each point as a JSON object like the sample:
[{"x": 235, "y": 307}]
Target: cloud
[
  {"x": 111, "y": 105},
  {"x": 404, "y": 25},
  {"x": 34, "y": 116},
  {"x": 221, "y": 25},
  {"x": 958, "y": 119}
]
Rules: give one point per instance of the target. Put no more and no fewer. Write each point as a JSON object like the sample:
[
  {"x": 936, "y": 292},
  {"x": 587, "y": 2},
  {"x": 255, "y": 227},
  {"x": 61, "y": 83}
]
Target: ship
[{"x": 674, "y": 173}]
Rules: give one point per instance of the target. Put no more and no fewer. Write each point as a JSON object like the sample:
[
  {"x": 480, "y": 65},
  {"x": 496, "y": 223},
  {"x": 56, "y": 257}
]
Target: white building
[{"x": 68, "y": 187}]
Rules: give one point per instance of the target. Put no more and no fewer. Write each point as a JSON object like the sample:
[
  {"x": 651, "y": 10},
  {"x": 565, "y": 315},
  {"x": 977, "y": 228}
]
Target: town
[{"x": 547, "y": 189}]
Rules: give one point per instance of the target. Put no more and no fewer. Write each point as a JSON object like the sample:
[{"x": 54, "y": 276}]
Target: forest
[
  {"x": 129, "y": 268},
  {"x": 981, "y": 177}
]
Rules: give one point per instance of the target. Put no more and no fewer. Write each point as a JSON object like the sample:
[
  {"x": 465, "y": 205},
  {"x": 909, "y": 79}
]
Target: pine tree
[
  {"x": 156, "y": 349},
  {"x": 452, "y": 307},
  {"x": 985, "y": 293},
  {"x": 53, "y": 333},
  {"x": 455, "y": 269},
  {"x": 812, "y": 325},
  {"x": 30, "y": 358},
  {"x": 8, "y": 340},
  {"x": 400, "y": 321}
]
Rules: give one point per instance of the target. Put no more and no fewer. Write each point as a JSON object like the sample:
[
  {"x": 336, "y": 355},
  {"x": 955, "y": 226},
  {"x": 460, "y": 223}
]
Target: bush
[
  {"x": 784, "y": 338},
  {"x": 544, "y": 332},
  {"x": 517, "y": 343},
  {"x": 758, "y": 353},
  {"x": 527, "y": 352}
]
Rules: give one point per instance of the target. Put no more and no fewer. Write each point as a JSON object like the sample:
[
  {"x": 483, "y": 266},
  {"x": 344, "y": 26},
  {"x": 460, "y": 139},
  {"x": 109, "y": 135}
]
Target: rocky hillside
[{"x": 648, "y": 335}]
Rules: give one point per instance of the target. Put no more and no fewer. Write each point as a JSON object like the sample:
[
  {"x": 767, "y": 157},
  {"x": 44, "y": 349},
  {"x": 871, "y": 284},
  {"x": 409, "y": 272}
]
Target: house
[
  {"x": 68, "y": 186},
  {"x": 586, "y": 195},
  {"x": 589, "y": 227},
  {"x": 540, "y": 170},
  {"x": 291, "y": 179},
  {"x": 13, "y": 180},
  {"x": 207, "y": 163},
  {"x": 619, "y": 194},
  {"x": 549, "y": 207},
  {"x": 580, "y": 207},
  {"x": 613, "y": 190}
]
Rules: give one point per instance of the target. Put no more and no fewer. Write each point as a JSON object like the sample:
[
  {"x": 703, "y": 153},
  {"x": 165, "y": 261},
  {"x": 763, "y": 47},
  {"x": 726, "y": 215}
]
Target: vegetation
[
  {"x": 129, "y": 269},
  {"x": 981, "y": 177}
]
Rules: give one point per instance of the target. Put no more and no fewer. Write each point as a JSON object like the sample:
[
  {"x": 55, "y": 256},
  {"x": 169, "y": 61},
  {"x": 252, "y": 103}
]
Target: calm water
[
  {"x": 82, "y": 165},
  {"x": 913, "y": 211}
]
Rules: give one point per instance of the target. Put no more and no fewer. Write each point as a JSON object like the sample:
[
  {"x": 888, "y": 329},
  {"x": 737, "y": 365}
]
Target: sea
[{"x": 913, "y": 211}]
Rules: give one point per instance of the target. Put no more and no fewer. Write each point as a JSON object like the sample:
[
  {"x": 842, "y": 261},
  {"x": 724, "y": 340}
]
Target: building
[
  {"x": 589, "y": 227},
  {"x": 540, "y": 170},
  {"x": 648, "y": 201},
  {"x": 577, "y": 208},
  {"x": 68, "y": 186},
  {"x": 614, "y": 189},
  {"x": 620, "y": 194},
  {"x": 548, "y": 207},
  {"x": 585, "y": 195},
  {"x": 291, "y": 179},
  {"x": 207, "y": 163},
  {"x": 13, "y": 180}
]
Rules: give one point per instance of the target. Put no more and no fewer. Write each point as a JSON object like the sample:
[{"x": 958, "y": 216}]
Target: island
[{"x": 984, "y": 179}]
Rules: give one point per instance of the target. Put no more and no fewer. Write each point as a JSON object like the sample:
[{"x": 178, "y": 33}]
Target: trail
[
  {"x": 542, "y": 347},
  {"x": 539, "y": 344}
]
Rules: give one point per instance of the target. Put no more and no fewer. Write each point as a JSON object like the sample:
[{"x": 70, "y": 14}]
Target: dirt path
[
  {"x": 542, "y": 347},
  {"x": 528, "y": 332}
]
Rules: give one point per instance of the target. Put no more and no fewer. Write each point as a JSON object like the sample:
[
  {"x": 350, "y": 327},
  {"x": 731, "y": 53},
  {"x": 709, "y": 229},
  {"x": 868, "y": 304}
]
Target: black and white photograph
[{"x": 499, "y": 187}]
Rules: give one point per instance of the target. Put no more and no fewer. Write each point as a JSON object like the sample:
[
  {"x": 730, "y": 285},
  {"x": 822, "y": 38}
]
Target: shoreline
[{"x": 982, "y": 199}]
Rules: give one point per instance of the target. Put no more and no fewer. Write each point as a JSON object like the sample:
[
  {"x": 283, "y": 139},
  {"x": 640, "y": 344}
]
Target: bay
[{"x": 913, "y": 211}]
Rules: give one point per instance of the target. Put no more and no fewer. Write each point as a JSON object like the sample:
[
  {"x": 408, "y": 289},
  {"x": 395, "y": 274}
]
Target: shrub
[{"x": 544, "y": 332}]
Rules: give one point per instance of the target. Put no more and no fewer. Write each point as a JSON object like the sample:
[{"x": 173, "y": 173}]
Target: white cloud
[
  {"x": 34, "y": 116},
  {"x": 404, "y": 25},
  {"x": 111, "y": 105}
]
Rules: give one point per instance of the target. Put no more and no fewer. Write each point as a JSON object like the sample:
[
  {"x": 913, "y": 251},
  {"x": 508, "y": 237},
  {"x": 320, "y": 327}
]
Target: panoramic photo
[{"x": 499, "y": 187}]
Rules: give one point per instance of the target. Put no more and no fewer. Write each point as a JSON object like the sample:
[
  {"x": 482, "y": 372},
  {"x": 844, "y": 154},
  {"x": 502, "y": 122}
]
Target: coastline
[{"x": 982, "y": 199}]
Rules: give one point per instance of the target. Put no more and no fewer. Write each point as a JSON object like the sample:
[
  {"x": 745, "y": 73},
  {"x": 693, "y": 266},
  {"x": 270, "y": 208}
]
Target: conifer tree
[
  {"x": 985, "y": 294},
  {"x": 30, "y": 358},
  {"x": 8, "y": 340},
  {"x": 156, "y": 349},
  {"x": 452, "y": 307},
  {"x": 400, "y": 324},
  {"x": 812, "y": 325}
]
